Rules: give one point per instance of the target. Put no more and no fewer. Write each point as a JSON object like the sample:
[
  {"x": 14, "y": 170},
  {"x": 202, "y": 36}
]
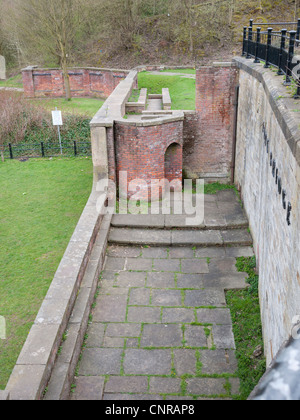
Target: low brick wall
[{"x": 84, "y": 82}]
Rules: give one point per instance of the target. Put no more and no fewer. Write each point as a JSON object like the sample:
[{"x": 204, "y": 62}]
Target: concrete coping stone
[
  {"x": 59, "y": 385},
  {"x": 30, "y": 68},
  {"x": 36, "y": 360},
  {"x": 166, "y": 99}
]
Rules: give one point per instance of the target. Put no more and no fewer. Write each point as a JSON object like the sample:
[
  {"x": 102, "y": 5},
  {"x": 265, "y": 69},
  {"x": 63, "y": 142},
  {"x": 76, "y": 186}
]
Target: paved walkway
[
  {"x": 160, "y": 326},
  {"x": 154, "y": 105}
]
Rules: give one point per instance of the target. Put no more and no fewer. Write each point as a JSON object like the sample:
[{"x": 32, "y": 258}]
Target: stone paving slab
[
  {"x": 221, "y": 210},
  {"x": 160, "y": 325}
]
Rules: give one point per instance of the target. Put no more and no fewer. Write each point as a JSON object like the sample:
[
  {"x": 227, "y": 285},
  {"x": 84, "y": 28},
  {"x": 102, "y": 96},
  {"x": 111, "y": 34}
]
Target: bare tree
[{"x": 52, "y": 26}]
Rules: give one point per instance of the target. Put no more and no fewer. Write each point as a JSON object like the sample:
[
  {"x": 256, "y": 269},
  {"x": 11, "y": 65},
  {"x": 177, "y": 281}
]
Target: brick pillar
[
  {"x": 86, "y": 82},
  {"x": 215, "y": 97},
  {"x": 28, "y": 85}
]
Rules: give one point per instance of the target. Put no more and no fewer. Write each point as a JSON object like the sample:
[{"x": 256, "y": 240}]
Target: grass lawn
[
  {"x": 182, "y": 91},
  {"x": 80, "y": 106},
  {"x": 41, "y": 202},
  {"x": 185, "y": 71},
  {"x": 15, "y": 82}
]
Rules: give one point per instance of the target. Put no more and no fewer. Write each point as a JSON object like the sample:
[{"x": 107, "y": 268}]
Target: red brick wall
[
  {"x": 140, "y": 151},
  {"x": 208, "y": 134},
  {"x": 83, "y": 82}
]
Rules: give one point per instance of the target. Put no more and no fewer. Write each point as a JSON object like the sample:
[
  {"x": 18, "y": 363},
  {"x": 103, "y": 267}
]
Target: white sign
[
  {"x": 2, "y": 328},
  {"x": 57, "y": 118}
]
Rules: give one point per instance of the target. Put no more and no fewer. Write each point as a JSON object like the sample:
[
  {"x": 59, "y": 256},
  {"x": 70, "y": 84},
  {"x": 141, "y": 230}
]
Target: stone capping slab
[
  {"x": 166, "y": 99},
  {"x": 37, "y": 357},
  {"x": 30, "y": 68},
  {"x": 279, "y": 104},
  {"x": 63, "y": 372}
]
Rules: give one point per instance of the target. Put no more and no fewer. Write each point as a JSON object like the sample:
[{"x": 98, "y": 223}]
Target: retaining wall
[{"x": 268, "y": 174}]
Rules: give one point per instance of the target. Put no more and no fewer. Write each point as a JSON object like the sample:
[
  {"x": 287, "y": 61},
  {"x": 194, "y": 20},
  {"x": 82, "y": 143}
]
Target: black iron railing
[
  {"x": 45, "y": 149},
  {"x": 274, "y": 48}
]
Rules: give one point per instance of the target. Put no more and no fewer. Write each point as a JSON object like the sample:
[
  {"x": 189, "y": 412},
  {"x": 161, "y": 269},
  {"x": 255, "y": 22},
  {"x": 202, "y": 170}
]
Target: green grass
[
  {"x": 80, "y": 106},
  {"x": 247, "y": 328},
  {"x": 182, "y": 91},
  {"x": 41, "y": 202},
  {"x": 134, "y": 95},
  {"x": 216, "y": 186},
  {"x": 14, "y": 82},
  {"x": 185, "y": 71}
]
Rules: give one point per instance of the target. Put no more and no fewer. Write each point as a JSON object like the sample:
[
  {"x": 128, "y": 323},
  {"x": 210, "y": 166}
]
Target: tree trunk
[
  {"x": 66, "y": 79},
  {"x": 2, "y": 155}
]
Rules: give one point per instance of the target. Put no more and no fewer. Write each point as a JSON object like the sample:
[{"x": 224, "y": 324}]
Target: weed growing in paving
[{"x": 245, "y": 313}]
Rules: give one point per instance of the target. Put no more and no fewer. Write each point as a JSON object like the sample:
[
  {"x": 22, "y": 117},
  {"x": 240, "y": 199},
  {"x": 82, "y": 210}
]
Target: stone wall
[
  {"x": 268, "y": 173},
  {"x": 2, "y": 68},
  {"x": 84, "y": 82}
]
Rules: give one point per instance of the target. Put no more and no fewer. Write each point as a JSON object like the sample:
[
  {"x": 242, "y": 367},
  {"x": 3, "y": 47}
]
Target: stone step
[
  {"x": 177, "y": 221},
  {"x": 187, "y": 237}
]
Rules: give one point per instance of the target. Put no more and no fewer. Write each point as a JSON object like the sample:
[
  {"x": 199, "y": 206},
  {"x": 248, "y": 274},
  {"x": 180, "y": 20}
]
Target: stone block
[
  {"x": 117, "y": 384},
  {"x": 2, "y": 68},
  {"x": 88, "y": 388},
  {"x": 147, "y": 362},
  {"x": 165, "y": 335},
  {"x": 100, "y": 361}
]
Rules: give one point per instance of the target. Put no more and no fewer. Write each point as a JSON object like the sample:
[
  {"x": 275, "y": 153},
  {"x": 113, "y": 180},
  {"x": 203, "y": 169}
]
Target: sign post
[{"x": 57, "y": 121}]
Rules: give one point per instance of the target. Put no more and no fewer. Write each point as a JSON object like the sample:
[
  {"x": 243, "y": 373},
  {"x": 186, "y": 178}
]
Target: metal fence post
[
  {"x": 298, "y": 31},
  {"x": 290, "y": 57},
  {"x": 75, "y": 148},
  {"x": 10, "y": 151},
  {"x": 43, "y": 150},
  {"x": 250, "y": 32},
  {"x": 282, "y": 48},
  {"x": 244, "y": 42},
  {"x": 256, "y": 45},
  {"x": 269, "y": 42}
]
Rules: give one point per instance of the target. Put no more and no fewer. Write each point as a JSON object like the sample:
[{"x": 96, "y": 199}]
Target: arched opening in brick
[{"x": 173, "y": 162}]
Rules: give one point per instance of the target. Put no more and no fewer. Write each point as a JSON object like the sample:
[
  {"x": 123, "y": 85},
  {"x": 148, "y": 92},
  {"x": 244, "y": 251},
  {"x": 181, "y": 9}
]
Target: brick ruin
[
  {"x": 181, "y": 144},
  {"x": 84, "y": 82},
  {"x": 255, "y": 138}
]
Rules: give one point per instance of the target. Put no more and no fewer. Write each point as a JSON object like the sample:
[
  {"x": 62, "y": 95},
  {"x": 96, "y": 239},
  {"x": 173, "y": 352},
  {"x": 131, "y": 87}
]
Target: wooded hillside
[{"x": 125, "y": 33}]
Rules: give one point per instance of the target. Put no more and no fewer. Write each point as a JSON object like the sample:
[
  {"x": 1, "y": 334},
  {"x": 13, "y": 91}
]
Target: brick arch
[{"x": 173, "y": 162}]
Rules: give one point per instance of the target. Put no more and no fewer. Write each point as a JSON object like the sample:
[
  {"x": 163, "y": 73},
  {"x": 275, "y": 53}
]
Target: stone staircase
[{"x": 160, "y": 326}]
